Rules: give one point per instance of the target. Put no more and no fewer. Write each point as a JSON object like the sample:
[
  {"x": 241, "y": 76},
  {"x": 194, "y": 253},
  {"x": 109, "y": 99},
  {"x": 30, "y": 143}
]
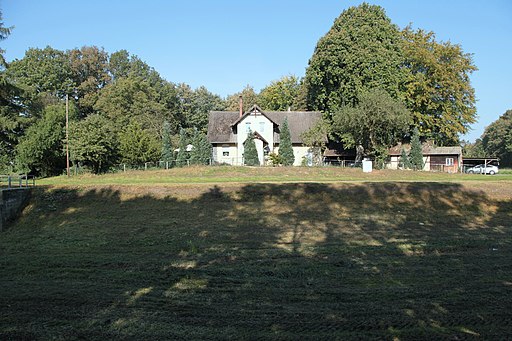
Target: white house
[{"x": 227, "y": 131}]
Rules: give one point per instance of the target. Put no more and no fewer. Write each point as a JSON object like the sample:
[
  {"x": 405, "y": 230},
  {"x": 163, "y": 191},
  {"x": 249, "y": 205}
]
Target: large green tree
[
  {"x": 361, "y": 51},
  {"x": 41, "y": 150},
  {"x": 475, "y": 149},
  {"x": 137, "y": 146},
  {"x": 93, "y": 142},
  {"x": 11, "y": 122},
  {"x": 281, "y": 95},
  {"x": 195, "y": 104},
  {"x": 45, "y": 70},
  {"x": 376, "y": 123},
  {"x": 497, "y": 139},
  {"x": 90, "y": 73},
  {"x": 134, "y": 98},
  {"x": 249, "y": 96},
  {"x": 438, "y": 90}
]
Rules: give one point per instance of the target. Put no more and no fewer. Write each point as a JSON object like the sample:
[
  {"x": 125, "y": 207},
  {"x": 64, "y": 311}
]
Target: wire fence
[{"x": 160, "y": 165}]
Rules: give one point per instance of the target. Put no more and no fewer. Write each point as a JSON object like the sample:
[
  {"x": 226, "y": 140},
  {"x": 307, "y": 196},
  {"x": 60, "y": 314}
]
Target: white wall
[
  {"x": 258, "y": 123},
  {"x": 232, "y": 159},
  {"x": 299, "y": 152}
]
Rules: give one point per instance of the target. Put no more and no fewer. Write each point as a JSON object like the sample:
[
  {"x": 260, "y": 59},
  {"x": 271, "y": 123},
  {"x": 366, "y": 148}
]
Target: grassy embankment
[
  {"x": 226, "y": 174},
  {"x": 403, "y": 260}
]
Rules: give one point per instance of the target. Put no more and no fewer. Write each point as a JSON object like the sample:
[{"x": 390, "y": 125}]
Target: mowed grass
[
  {"x": 228, "y": 174},
  {"x": 283, "y": 261}
]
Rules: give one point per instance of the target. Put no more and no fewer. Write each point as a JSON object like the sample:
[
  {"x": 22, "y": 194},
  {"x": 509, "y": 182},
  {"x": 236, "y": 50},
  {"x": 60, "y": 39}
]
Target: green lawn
[
  {"x": 284, "y": 261},
  {"x": 225, "y": 174}
]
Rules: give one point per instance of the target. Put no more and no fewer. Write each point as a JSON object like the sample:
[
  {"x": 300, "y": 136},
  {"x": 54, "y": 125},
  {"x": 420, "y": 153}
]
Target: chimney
[{"x": 241, "y": 105}]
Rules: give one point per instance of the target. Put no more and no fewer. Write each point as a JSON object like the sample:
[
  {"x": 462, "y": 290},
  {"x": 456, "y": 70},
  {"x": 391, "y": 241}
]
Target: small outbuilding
[{"x": 437, "y": 159}]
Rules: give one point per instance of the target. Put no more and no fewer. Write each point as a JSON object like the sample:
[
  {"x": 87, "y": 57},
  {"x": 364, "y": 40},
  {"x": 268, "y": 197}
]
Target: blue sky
[{"x": 227, "y": 44}]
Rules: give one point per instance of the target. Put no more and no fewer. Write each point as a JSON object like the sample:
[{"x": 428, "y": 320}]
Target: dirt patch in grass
[{"x": 260, "y": 261}]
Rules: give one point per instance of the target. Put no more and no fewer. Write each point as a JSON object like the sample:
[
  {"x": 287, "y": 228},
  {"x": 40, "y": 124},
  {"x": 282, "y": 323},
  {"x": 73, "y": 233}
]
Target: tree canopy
[
  {"x": 364, "y": 50},
  {"x": 378, "y": 121},
  {"x": 137, "y": 146},
  {"x": 93, "y": 142},
  {"x": 361, "y": 51},
  {"x": 438, "y": 90},
  {"x": 281, "y": 95},
  {"x": 497, "y": 139},
  {"x": 41, "y": 150}
]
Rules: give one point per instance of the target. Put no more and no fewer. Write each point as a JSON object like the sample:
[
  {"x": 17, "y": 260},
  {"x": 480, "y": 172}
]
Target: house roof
[
  {"x": 220, "y": 123},
  {"x": 253, "y": 109},
  {"x": 298, "y": 122},
  {"x": 219, "y": 126},
  {"x": 427, "y": 149}
]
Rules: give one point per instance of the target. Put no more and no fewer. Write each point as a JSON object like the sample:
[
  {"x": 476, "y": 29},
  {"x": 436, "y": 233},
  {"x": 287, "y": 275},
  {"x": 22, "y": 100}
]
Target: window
[
  {"x": 262, "y": 127},
  {"x": 247, "y": 127},
  {"x": 266, "y": 150},
  {"x": 225, "y": 151},
  {"x": 449, "y": 161}
]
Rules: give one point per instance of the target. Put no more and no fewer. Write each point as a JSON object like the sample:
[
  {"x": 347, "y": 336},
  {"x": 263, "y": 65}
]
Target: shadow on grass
[{"x": 261, "y": 261}]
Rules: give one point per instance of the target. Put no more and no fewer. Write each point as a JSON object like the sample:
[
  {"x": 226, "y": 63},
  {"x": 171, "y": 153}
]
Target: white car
[{"x": 483, "y": 169}]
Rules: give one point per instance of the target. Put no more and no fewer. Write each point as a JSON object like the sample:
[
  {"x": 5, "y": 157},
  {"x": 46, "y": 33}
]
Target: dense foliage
[
  {"x": 361, "y": 51},
  {"x": 167, "y": 151},
  {"x": 364, "y": 50},
  {"x": 497, "y": 139},
  {"x": 285, "y": 145},
  {"x": 93, "y": 142},
  {"x": 250, "y": 152},
  {"x": 201, "y": 152},
  {"x": 416, "y": 153},
  {"x": 182, "y": 156},
  {"x": 438, "y": 90},
  {"x": 137, "y": 145},
  {"x": 375, "y": 123},
  {"x": 41, "y": 150},
  {"x": 282, "y": 94}
]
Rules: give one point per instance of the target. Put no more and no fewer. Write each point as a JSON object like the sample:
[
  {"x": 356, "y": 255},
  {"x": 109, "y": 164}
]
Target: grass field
[
  {"x": 227, "y": 174},
  {"x": 253, "y": 258}
]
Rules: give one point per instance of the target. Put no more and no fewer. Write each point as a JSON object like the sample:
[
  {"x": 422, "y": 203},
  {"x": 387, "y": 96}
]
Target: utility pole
[{"x": 67, "y": 134}]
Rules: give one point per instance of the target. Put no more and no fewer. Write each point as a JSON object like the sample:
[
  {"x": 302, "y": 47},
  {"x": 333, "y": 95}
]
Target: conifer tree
[
  {"x": 416, "y": 155},
  {"x": 250, "y": 153},
  {"x": 181, "y": 158},
  {"x": 404, "y": 160},
  {"x": 285, "y": 145},
  {"x": 201, "y": 153},
  {"x": 167, "y": 153}
]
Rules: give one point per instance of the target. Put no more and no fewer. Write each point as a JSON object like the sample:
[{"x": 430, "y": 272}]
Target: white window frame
[
  {"x": 449, "y": 161},
  {"x": 225, "y": 151}
]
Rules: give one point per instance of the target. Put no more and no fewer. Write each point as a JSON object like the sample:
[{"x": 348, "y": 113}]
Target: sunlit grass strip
[{"x": 264, "y": 174}]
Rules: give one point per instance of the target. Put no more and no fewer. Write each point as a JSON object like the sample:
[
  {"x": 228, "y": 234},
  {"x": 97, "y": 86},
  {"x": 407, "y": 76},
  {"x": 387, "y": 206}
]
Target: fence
[
  {"x": 159, "y": 165},
  {"x": 17, "y": 181},
  {"x": 154, "y": 165},
  {"x": 343, "y": 163}
]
